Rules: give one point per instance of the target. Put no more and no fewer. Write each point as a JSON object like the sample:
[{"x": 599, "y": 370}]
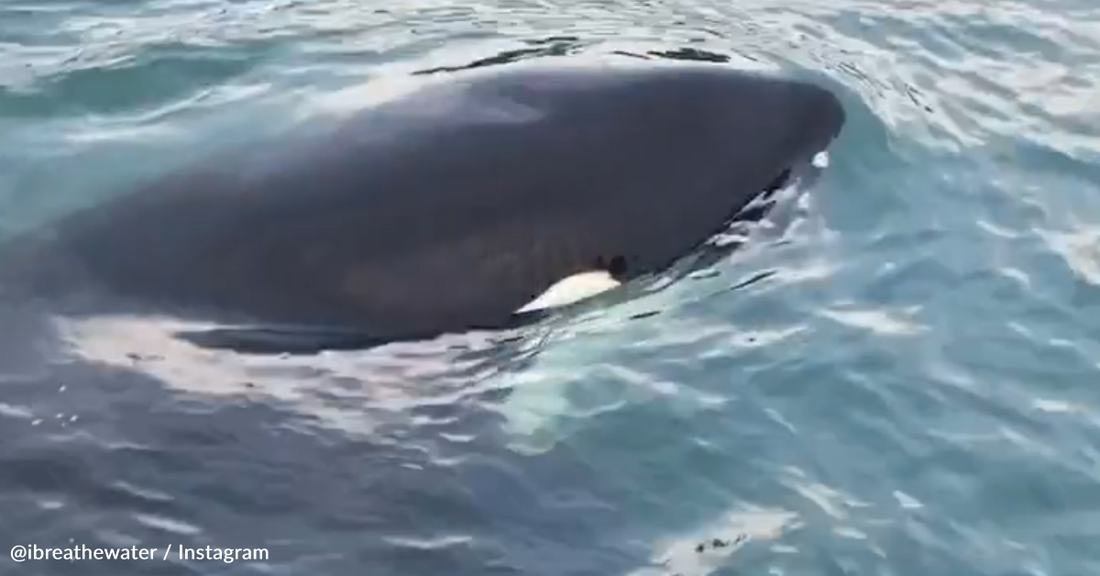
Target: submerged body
[{"x": 446, "y": 210}]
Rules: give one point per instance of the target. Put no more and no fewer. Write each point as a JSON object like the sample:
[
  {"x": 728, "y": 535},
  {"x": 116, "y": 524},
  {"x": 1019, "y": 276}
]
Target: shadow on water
[
  {"x": 557, "y": 46},
  {"x": 690, "y": 54},
  {"x": 548, "y": 47}
]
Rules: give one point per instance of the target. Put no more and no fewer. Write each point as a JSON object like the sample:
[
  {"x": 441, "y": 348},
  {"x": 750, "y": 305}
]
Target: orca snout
[
  {"x": 822, "y": 118},
  {"x": 780, "y": 122}
]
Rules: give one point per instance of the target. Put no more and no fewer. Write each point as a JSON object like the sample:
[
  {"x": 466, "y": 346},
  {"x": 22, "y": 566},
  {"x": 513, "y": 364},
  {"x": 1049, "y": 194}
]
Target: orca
[{"x": 480, "y": 202}]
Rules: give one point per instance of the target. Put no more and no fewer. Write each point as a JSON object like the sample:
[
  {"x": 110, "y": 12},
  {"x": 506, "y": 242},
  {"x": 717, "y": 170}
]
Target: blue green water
[{"x": 913, "y": 390}]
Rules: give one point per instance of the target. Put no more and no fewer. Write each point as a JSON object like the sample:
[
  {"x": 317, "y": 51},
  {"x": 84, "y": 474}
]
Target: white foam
[
  {"x": 353, "y": 391},
  {"x": 735, "y": 529}
]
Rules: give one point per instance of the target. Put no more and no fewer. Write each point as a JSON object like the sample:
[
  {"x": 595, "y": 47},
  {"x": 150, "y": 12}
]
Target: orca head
[
  {"x": 769, "y": 127},
  {"x": 794, "y": 125},
  {"x": 714, "y": 141},
  {"x": 676, "y": 153},
  {"x": 771, "y": 132}
]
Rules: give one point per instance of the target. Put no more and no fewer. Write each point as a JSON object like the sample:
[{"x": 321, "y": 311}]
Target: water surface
[{"x": 911, "y": 388}]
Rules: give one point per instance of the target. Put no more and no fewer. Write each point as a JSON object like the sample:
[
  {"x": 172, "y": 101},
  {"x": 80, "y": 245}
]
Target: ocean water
[{"x": 901, "y": 380}]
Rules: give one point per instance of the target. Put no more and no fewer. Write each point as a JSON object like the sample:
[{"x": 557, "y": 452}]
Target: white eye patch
[{"x": 572, "y": 289}]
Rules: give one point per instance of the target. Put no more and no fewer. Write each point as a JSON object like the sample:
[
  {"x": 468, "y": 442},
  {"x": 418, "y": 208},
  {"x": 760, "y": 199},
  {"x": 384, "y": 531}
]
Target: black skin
[{"x": 442, "y": 212}]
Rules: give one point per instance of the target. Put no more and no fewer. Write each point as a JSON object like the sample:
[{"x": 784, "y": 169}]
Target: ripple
[
  {"x": 900, "y": 383},
  {"x": 877, "y": 321},
  {"x": 163, "y": 524}
]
